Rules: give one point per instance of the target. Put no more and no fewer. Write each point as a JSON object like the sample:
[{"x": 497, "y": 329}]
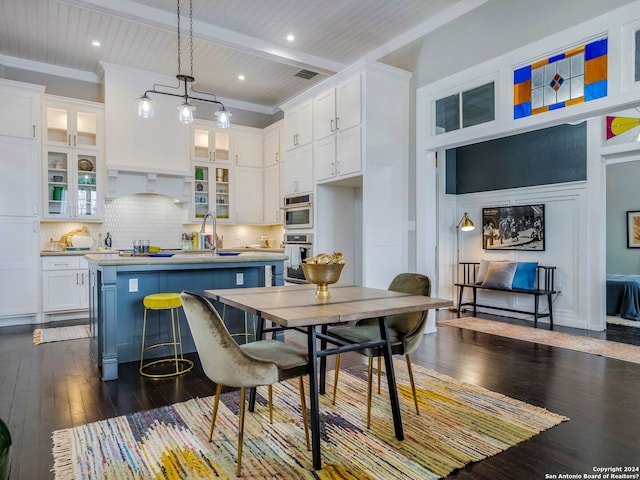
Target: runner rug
[
  {"x": 459, "y": 423},
  {"x": 56, "y": 334},
  {"x": 596, "y": 346}
]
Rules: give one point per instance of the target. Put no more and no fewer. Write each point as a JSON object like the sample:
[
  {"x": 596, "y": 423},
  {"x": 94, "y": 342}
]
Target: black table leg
[
  {"x": 259, "y": 334},
  {"x": 391, "y": 378},
  {"x": 313, "y": 395},
  {"x": 323, "y": 362},
  {"x": 460, "y": 290}
]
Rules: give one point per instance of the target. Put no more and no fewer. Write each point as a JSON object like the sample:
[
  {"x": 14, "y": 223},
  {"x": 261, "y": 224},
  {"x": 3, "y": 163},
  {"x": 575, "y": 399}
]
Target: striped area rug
[
  {"x": 459, "y": 424},
  {"x": 57, "y": 334}
]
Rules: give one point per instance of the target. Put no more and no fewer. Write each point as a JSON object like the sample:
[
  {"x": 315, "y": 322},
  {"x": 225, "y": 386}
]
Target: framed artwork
[
  {"x": 633, "y": 229},
  {"x": 516, "y": 227}
]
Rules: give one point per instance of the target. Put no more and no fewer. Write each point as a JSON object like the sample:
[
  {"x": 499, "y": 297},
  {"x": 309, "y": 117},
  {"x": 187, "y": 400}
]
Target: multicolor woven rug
[
  {"x": 459, "y": 423},
  {"x": 57, "y": 334},
  {"x": 596, "y": 346}
]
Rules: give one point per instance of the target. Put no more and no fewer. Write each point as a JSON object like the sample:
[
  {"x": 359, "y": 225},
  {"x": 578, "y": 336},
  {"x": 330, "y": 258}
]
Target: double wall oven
[{"x": 298, "y": 245}]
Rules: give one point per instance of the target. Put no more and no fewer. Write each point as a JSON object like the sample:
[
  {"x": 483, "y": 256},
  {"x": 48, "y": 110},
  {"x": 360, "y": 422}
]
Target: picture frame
[
  {"x": 515, "y": 227},
  {"x": 633, "y": 229}
]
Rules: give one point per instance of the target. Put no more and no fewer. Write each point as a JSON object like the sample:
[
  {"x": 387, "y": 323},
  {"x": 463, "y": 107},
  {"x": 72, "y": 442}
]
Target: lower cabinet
[{"x": 65, "y": 284}]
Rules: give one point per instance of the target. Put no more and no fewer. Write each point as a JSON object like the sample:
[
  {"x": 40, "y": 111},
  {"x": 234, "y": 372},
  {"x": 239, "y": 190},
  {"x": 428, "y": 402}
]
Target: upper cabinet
[
  {"x": 209, "y": 143},
  {"x": 271, "y": 145},
  {"x": 72, "y": 124},
  {"x": 73, "y": 179},
  {"x": 337, "y": 108},
  {"x": 19, "y": 109},
  {"x": 298, "y": 125},
  {"x": 247, "y": 148}
]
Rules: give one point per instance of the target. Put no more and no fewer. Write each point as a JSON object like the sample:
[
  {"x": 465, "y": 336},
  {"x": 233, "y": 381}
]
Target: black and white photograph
[{"x": 518, "y": 227}]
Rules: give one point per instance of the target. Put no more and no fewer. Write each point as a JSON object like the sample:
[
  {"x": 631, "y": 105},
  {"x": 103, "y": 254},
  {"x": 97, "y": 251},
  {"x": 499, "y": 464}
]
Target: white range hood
[{"x": 126, "y": 180}]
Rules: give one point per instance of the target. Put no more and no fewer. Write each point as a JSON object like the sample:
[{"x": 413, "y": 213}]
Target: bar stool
[
  {"x": 247, "y": 331},
  {"x": 171, "y": 302}
]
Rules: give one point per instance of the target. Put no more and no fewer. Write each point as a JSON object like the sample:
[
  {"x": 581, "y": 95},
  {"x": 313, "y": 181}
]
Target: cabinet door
[
  {"x": 201, "y": 194},
  {"x": 71, "y": 126},
  {"x": 324, "y": 114},
  {"x": 248, "y": 194},
  {"x": 209, "y": 144},
  {"x": 19, "y": 266},
  {"x": 271, "y": 148},
  {"x": 324, "y": 154},
  {"x": 271, "y": 194},
  {"x": 348, "y": 103},
  {"x": 348, "y": 148},
  {"x": 297, "y": 176},
  {"x": 16, "y": 114},
  {"x": 248, "y": 149},
  {"x": 19, "y": 179},
  {"x": 222, "y": 178},
  {"x": 61, "y": 290},
  {"x": 298, "y": 125}
]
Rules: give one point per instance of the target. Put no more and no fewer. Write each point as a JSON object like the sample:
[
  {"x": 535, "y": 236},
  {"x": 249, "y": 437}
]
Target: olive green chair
[
  {"x": 405, "y": 330},
  {"x": 5, "y": 451},
  {"x": 250, "y": 365}
]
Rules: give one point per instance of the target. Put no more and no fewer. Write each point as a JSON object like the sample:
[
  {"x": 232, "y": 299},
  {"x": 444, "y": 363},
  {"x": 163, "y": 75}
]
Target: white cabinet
[
  {"x": 71, "y": 123},
  {"x": 19, "y": 266},
  {"x": 338, "y": 155},
  {"x": 272, "y": 197},
  {"x": 298, "y": 125},
  {"x": 247, "y": 149},
  {"x": 209, "y": 143},
  {"x": 337, "y": 108},
  {"x": 19, "y": 109},
  {"x": 248, "y": 195},
  {"x": 65, "y": 284},
  {"x": 297, "y": 176},
  {"x": 271, "y": 146},
  {"x": 72, "y": 184},
  {"x": 20, "y": 174},
  {"x": 72, "y": 173},
  {"x": 212, "y": 191}
]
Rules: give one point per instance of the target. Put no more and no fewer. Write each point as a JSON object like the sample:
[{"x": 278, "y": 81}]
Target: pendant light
[{"x": 185, "y": 82}]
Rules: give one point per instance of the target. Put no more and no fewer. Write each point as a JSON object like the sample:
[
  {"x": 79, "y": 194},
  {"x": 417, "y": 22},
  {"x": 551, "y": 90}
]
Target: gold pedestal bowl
[{"x": 322, "y": 275}]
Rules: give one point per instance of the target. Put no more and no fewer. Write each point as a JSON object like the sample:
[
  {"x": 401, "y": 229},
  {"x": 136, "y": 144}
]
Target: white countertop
[{"x": 183, "y": 258}]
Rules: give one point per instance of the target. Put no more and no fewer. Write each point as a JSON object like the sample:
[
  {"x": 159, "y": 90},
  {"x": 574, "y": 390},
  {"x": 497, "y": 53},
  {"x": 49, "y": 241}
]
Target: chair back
[
  {"x": 223, "y": 361},
  {"x": 412, "y": 323},
  {"x": 5, "y": 451}
]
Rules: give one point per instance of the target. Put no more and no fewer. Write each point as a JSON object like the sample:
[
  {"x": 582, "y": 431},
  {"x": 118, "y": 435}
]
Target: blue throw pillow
[{"x": 525, "y": 276}]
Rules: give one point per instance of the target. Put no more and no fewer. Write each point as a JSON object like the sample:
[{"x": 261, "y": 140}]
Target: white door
[
  {"x": 19, "y": 266},
  {"x": 19, "y": 180},
  {"x": 248, "y": 195}
]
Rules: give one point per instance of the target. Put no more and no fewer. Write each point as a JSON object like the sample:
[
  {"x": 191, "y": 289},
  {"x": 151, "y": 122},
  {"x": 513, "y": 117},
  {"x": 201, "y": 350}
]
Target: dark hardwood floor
[{"x": 57, "y": 385}]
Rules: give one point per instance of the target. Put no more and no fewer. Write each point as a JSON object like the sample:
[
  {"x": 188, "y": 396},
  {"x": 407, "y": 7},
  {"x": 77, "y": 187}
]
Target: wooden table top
[{"x": 297, "y": 305}]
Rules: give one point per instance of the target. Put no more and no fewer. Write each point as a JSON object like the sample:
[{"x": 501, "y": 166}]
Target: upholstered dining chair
[
  {"x": 251, "y": 365},
  {"x": 5, "y": 451},
  {"x": 405, "y": 330}
]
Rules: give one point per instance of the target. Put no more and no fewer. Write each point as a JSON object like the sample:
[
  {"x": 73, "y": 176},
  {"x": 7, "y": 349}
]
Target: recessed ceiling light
[
  {"x": 290, "y": 37},
  {"x": 240, "y": 77},
  {"x": 95, "y": 43}
]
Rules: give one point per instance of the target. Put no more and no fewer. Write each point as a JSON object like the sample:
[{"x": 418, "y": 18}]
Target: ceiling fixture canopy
[{"x": 185, "y": 82}]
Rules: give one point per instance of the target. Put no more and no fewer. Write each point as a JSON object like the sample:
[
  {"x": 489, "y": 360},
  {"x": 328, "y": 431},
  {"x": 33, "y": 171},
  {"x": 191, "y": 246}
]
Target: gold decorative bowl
[{"x": 322, "y": 275}]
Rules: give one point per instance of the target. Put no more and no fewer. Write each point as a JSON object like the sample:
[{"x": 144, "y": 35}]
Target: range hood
[{"x": 124, "y": 180}]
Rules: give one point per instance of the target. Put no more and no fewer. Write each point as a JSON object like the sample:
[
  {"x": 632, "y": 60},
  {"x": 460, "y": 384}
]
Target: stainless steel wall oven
[
  {"x": 297, "y": 246},
  {"x": 298, "y": 211}
]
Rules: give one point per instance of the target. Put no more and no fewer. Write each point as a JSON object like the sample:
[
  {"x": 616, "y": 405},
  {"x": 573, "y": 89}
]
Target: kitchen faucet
[{"x": 214, "y": 243}]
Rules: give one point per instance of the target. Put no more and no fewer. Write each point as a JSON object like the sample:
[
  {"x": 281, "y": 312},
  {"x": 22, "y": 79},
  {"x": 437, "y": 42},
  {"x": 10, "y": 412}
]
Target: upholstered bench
[{"x": 527, "y": 278}]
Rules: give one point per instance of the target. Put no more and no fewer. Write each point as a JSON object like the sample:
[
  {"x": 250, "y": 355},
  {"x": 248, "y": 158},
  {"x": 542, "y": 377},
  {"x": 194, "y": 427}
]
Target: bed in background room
[{"x": 623, "y": 296}]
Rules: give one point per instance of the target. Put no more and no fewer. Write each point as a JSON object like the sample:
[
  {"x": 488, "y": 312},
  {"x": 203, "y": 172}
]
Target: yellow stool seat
[
  {"x": 177, "y": 363},
  {"x": 161, "y": 301}
]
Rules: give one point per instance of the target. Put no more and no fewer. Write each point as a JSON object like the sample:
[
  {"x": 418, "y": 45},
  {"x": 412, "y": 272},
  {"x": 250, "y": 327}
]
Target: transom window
[{"x": 467, "y": 108}]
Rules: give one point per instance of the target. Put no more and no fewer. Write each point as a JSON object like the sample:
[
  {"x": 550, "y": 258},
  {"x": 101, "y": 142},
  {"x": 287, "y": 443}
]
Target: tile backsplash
[{"x": 156, "y": 218}]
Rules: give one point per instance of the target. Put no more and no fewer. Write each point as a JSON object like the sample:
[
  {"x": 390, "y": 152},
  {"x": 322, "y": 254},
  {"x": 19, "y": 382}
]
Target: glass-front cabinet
[
  {"x": 209, "y": 144},
  {"x": 72, "y": 127},
  {"x": 212, "y": 191},
  {"x": 71, "y": 185}
]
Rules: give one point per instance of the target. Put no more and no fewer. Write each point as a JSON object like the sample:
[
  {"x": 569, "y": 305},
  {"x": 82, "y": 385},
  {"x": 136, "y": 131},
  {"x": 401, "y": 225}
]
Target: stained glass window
[{"x": 575, "y": 76}]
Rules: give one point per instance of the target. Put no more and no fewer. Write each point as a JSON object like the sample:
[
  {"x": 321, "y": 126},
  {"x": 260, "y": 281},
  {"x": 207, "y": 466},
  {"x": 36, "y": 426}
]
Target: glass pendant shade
[
  {"x": 145, "y": 106},
  {"x": 185, "y": 112},
  {"x": 223, "y": 118}
]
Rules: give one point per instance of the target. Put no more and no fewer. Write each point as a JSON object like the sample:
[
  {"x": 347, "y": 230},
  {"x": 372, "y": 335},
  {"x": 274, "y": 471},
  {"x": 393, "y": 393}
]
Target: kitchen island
[{"x": 118, "y": 285}]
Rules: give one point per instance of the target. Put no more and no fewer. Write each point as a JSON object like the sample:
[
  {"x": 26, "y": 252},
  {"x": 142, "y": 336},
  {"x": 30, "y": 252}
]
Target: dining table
[{"x": 296, "y": 307}]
